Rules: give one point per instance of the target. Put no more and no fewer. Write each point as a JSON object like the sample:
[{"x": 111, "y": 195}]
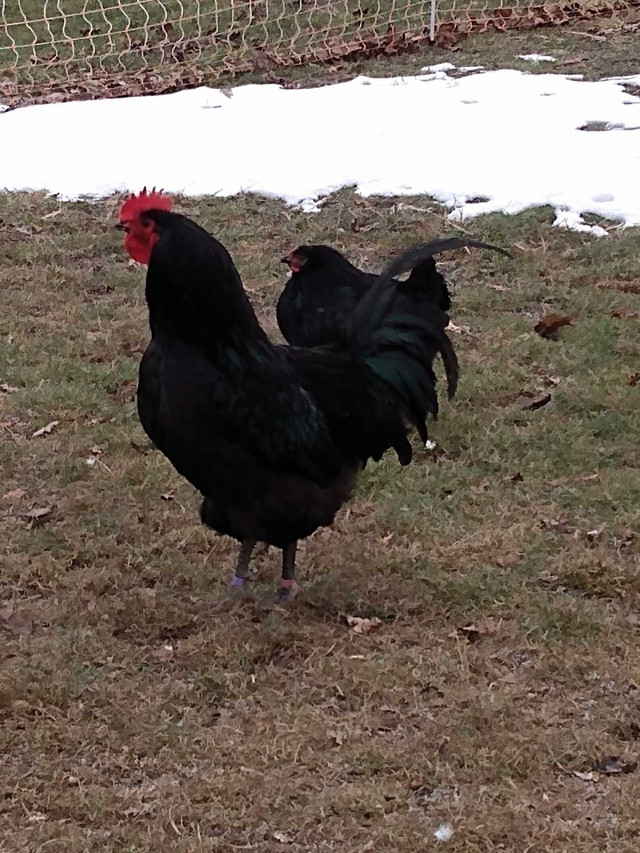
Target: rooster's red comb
[{"x": 144, "y": 201}]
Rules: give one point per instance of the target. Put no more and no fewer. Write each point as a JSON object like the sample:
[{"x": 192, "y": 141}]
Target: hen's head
[
  {"x": 141, "y": 231},
  {"x": 313, "y": 257}
]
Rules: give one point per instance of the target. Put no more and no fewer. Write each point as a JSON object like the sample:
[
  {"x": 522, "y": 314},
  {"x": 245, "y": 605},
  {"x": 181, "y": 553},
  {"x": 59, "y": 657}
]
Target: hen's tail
[{"x": 400, "y": 346}]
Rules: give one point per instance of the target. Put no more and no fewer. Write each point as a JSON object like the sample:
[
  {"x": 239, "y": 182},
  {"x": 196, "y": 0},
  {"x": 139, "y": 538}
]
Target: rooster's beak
[{"x": 284, "y": 260}]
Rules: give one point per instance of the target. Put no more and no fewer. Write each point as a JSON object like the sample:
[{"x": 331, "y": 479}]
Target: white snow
[
  {"x": 441, "y": 66},
  {"x": 536, "y": 57},
  {"x": 444, "y": 832},
  {"x": 506, "y": 136}
]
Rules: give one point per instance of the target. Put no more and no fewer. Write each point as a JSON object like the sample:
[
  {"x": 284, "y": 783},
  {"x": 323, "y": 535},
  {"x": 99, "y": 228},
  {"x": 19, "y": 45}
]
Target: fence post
[{"x": 432, "y": 21}]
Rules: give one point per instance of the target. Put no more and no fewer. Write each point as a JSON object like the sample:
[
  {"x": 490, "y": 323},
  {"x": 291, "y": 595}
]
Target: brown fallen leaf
[
  {"x": 38, "y": 515},
  {"x": 622, "y": 286},
  {"x": 611, "y": 765},
  {"x": 459, "y": 330},
  {"x": 549, "y": 326},
  {"x": 585, "y": 777},
  {"x": 363, "y": 626},
  {"x": 132, "y": 347},
  {"x": 472, "y": 632},
  {"x": 595, "y": 534},
  {"x": 336, "y": 736},
  {"x": 14, "y": 495},
  {"x": 163, "y": 653},
  {"x": 127, "y": 391},
  {"x": 45, "y": 430},
  {"x": 573, "y": 60},
  {"x": 552, "y": 380},
  {"x": 532, "y": 402},
  {"x": 624, "y": 312},
  {"x": 14, "y": 622}
]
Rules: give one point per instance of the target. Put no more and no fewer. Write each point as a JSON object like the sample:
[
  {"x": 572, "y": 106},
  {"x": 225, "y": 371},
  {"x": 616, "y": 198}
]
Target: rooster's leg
[
  {"x": 238, "y": 589},
  {"x": 241, "y": 577},
  {"x": 288, "y": 587}
]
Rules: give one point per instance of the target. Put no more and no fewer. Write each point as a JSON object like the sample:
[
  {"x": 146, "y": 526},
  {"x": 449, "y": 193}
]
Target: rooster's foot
[{"x": 287, "y": 592}]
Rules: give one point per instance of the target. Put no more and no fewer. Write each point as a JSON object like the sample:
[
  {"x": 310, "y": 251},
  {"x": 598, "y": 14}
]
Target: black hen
[
  {"x": 325, "y": 287},
  {"x": 272, "y": 436}
]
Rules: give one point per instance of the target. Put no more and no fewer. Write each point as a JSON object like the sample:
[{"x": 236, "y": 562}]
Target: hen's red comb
[{"x": 136, "y": 205}]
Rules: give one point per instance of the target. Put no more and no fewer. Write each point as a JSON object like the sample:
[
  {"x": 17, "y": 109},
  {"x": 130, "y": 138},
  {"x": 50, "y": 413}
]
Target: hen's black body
[
  {"x": 325, "y": 287},
  {"x": 273, "y": 436}
]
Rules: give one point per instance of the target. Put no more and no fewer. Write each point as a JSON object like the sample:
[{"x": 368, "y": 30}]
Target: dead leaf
[
  {"x": 53, "y": 214},
  {"x": 593, "y": 535},
  {"x": 363, "y": 626},
  {"x": 514, "y": 478},
  {"x": 499, "y": 287},
  {"x": 585, "y": 777},
  {"x": 555, "y": 525},
  {"x": 282, "y": 837},
  {"x": 532, "y": 402},
  {"x": 127, "y": 391},
  {"x": 336, "y": 736},
  {"x": 613, "y": 766},
  {"x": 163, "y": 653},
  {"x": 45, "y": 430},
  {"x": 573, "y": 60},
  {"x": 623, "y": 286},
  {"x": 549, "y": 326},
  {"x": 471, "y": 632},
  {"x": 624, "y": 312},
  {"x": 133, "y": 347},
  {"x": 7, "y": 389},
  {"x": 14, "y": 622},
  {"x": 39, "y": 514},
  {"x": 459, "y": 330},
  {"x": 14, "y": 495},
  {"x": 545, "y": 576}
]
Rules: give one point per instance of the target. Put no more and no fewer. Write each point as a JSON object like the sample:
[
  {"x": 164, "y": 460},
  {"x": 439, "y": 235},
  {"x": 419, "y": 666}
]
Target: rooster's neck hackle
[{"x": 194, "y": 291}]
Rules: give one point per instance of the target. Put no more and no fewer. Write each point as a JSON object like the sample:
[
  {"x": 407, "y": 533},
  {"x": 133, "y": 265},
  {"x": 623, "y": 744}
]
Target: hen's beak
[
  {"x": 120, "y": 227},
  {"x": 284, "y": 260}
]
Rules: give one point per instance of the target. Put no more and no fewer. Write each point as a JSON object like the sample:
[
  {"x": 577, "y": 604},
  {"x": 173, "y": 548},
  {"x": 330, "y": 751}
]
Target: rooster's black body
[{"x": 273, "y": 436}]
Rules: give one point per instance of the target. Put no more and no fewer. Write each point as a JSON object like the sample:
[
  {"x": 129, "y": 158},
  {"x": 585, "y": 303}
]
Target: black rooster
[
  {"x": 272, "y": 436},
  {"x": 325, "y": 287}
]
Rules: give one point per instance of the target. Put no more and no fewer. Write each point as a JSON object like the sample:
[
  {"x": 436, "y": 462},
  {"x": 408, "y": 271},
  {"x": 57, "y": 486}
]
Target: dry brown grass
[{"x": 134, "y": 722}]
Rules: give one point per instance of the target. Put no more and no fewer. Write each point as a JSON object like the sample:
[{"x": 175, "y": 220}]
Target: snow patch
[
  {"x": 536, "y": 57},
  {"x": 481, "y": 143},
  {"x": 441, "y": 66}
]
